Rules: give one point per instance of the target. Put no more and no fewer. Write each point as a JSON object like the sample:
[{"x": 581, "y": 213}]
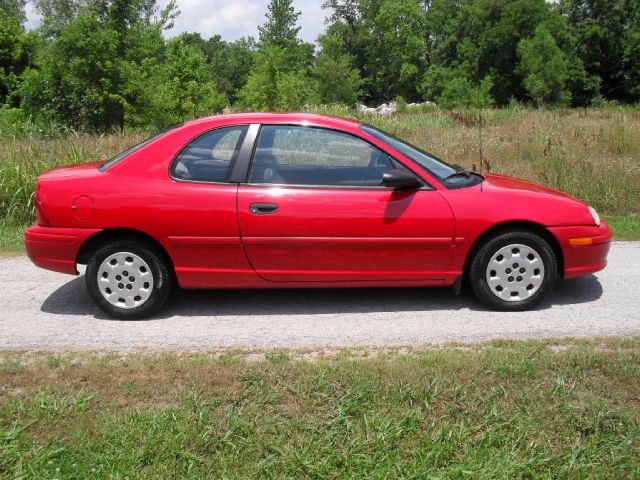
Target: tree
[
  {"x": 281, "y": 27},
  {"x": 75, "y": 82},
  {"x": 631, "y": 59},
  {"x": 606, "y": 32},
  {"x": 17, "y": 50},
  {"x": 274, "y": 84},
  {"x": 385, "y": 40},
  {"x": 460, "y": 92},
  {"x": 13, "y": 9},
  {"x": 338, "y": 80},
  {"x": 89, "y": 73},
  {"x": 181, "y": 88},
  {"x": 230, "y": 62},
  {"x": 543, "y": 68},
  {"x": 281, "y": 75}
]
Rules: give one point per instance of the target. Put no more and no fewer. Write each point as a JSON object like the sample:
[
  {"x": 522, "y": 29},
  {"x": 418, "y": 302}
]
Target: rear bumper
[
  {"x": 55, "y": 248},
  {"x": 583, "y": 259}
]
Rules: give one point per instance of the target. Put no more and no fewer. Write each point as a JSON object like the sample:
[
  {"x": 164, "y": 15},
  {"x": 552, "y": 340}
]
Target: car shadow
[{"x": 72, "y": 299}]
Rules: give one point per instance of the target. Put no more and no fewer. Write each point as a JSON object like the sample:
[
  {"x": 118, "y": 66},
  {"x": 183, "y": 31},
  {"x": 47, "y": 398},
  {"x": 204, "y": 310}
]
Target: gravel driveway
[{"x": 49, "y": 311}]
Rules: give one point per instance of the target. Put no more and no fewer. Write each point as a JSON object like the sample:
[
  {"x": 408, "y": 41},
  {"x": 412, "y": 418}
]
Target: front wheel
[
  {"x": 513, "y": 271},
  {"x": 127, "y": 279}
]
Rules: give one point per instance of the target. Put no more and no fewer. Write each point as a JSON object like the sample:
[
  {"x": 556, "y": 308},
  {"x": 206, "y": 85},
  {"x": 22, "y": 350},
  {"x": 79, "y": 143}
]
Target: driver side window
[{"x": 295, "y": 155}]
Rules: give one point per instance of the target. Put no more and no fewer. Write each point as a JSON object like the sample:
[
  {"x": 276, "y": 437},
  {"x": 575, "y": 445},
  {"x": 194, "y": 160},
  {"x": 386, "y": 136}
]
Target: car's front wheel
[
  {"x": 513, "y": 271},
  {"x": 128, "y": 279}
]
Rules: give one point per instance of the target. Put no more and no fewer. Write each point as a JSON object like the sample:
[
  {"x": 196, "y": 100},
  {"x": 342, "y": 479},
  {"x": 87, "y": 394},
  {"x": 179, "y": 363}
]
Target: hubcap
[
  {"x": 125, "y": 280},
  {"x": 515, "y": 273}
]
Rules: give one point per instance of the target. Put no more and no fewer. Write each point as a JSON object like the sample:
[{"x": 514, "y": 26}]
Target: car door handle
[{"x": 263, "y": 208}]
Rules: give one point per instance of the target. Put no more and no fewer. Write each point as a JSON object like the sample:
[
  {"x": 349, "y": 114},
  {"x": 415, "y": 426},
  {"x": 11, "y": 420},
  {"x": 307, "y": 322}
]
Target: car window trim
[
  {"x": 241, "y": 141},
  {"x": 426, "y": 185},
  {"x": 244, "y": 159}
]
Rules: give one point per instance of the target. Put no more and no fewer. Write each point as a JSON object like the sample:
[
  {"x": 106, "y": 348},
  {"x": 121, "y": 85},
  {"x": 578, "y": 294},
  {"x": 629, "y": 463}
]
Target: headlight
[{"x": 594, "y": 214}]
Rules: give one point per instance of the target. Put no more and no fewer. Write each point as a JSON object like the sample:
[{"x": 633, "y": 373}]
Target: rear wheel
[
  {"x": 513, "y": 271},
  {"x": 128, "y": 279}
]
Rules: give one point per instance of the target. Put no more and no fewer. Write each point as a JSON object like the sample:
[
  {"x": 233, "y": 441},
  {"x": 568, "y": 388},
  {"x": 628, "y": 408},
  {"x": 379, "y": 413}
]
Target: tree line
[{"x": 97, "y": 65}]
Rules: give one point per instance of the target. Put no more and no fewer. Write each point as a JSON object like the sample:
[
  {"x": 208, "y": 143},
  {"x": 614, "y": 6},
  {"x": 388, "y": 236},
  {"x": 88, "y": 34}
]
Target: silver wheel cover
[
  {"x": 125, "y": 280},
  {"x": 515, "y": 273}
]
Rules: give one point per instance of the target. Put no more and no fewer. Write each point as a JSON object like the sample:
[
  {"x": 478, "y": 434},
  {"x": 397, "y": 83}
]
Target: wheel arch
[
  {"x": 517, "y": 226},
  {"x": 95, "y": 241}
]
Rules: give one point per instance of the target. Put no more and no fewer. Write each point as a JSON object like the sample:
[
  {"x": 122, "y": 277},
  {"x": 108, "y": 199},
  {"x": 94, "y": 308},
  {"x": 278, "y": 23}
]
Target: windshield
[
  {"x": 109, "y": 163},
  {"x": 435, "y": 166}
]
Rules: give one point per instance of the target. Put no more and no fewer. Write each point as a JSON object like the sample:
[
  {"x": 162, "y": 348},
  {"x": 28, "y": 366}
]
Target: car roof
[{"x": 262, "y": 117}]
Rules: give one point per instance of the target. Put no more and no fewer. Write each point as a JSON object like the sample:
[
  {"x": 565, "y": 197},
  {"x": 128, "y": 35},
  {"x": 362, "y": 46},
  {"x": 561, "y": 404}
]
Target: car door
[
  {"x": 313, "y": 210},
  {"x": 199, "y": 208}
]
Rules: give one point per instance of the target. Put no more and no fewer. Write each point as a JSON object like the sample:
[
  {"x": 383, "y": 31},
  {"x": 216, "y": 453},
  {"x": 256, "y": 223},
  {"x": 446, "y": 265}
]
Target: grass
[
  {"x": 11, "y": 241},
  {"x": 625, "y": 227},
  {"x": 553, "y": 409}
]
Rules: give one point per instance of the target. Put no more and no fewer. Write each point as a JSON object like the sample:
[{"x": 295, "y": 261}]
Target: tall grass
[
  {"x": 592, "y": 154},
  {"x": 23, "y": 159}
]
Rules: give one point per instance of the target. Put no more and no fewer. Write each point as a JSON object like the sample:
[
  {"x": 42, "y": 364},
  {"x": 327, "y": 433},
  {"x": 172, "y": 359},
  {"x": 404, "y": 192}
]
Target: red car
[{"x": 300, "y": 200}]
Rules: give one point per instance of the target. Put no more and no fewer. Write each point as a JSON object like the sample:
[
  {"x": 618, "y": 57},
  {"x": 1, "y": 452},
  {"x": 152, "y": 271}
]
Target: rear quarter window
[{"x": 210, "y": 156}]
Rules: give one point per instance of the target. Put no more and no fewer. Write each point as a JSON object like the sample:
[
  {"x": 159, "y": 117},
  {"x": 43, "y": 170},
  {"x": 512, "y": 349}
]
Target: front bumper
[
  {"x": 55, "y": 248},
  {"x": 583, "y": 259}
]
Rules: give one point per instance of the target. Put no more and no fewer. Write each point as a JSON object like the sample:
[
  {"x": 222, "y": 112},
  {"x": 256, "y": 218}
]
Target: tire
[
  {"x": 136, "y": 295},
  {"x": 513, "y": 271}
]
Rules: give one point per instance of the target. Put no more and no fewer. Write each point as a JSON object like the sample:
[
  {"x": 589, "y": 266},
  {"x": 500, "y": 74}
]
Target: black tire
[
  {"x": 478, "y": 271},
  {"x": 161, "y": 285}
]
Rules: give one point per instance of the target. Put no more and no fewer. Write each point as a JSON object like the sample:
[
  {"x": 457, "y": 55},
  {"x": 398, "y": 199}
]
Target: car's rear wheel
[
  {"x": 128, "y": 279},
  {"x": 513, "y": 271}
]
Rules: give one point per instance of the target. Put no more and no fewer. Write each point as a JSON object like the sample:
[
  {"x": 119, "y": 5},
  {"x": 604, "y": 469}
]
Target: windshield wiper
[{"x": 459, "y": 172}]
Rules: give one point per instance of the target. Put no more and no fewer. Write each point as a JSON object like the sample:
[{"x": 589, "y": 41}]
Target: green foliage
[
  {"x": 78, "y": 82},
  {"x": 229, "y": 62},
  {"x": 385, "y": 41},
  {"x": 607, "y": 36},
  {"x": 281, "y": 27},
  {"x": 179, "y": 89},
  {"x": 631, "y": 59},
  {"x": 13, "y": 9},
  {"x": 543, "y": 67},
  {"x": 17, "y": 50},
  {"x": 276, "y": 83},
  {"x": 337, "y": 81},
  {"x": 450, "y": 89},
  {"x": 281, "y": 75},
  {"x": 99, "y": 65},
  {"x": 108, "y": 66}
]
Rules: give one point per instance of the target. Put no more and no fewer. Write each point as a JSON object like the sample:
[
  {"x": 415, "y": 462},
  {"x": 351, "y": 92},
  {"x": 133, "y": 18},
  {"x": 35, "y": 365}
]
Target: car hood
[
  {"x": 504, "y": 182},
  {"x": 79, "y": 170}
]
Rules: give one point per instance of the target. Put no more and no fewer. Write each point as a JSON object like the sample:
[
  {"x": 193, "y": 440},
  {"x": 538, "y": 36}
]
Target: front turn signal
[{"x": 581, "y": 241}]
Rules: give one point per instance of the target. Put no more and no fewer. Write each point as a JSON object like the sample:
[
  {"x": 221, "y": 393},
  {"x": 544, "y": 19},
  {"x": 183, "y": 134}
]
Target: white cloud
[
  {"x": 33, "y": 18},
  {"x": 231, "y": 19}
]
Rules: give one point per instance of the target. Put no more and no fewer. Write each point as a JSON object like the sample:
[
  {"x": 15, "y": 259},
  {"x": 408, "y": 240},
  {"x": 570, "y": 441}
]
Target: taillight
[{"x": 41, "y": 215}]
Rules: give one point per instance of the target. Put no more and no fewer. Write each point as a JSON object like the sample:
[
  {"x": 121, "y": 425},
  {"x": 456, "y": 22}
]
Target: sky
[{"x": 231, "y": 19}]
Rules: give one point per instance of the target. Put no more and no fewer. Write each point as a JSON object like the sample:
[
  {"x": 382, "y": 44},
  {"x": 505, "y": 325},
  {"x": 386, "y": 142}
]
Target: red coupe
[{"x": 300, "y": 200}]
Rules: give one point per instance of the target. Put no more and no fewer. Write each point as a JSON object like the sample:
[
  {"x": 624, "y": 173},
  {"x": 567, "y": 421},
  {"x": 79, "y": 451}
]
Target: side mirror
[{"x": 400, "y": 179}]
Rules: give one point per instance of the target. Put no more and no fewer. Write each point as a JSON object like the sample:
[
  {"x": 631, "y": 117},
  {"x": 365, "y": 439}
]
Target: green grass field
[{"x": 554, "y": 409}]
